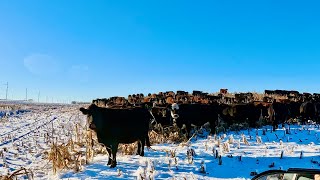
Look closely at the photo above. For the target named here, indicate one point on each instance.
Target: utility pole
(7, 90)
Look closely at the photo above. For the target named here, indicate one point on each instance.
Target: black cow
(317, 110)
(114, 126)
(196, 114)
(162, 115)
(260, 110)
(279, 113)
(308, 111)
(306, 97)
(269, 92)
(294, 109)
(244, 113)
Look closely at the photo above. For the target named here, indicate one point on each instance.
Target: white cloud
(41, 64)
(79, 73)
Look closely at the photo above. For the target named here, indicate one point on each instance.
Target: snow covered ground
(25, 137)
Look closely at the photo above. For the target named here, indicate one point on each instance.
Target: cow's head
(90, 112)
(174, 111)
(165, 114)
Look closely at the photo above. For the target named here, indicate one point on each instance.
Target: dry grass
(18, 173)
(89, 147)
(72, 155)
(128, 149)
(60, 157)
(76, 152)
(169, 135)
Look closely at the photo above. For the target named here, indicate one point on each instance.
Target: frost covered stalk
(231, 139)
(173, 153)
(281, 155)
(151, 170)
(214, 152)
(217, 153)
(119, 172)
(226, 147)
(89, 149)
(169, 164)
(202, 167)
(301, 154)
(246, 141)
(264, 132)
(77, 133)
(259, 141)
(220, 160)
(288, 130)
(190, 154)
(141, 173)
(176, 163)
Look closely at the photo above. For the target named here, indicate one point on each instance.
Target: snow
(24, 141)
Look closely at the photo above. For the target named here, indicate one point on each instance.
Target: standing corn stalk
(77, 133)
(89, 147)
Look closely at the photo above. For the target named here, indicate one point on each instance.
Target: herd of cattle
(120, 120)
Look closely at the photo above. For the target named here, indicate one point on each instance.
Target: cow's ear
(84, 111)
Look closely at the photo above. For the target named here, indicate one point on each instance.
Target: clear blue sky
(87, 49)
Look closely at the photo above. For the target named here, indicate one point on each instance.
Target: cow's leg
(212, 128)
(142, 146)
(114, 149)
(188, 129)
(110, 154)
(139, 148)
